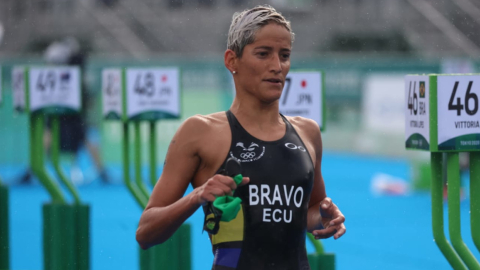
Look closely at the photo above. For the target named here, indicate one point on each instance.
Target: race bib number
(112, 93)
(152, 93)
(417, 116)
(54, 88)
(303, 96)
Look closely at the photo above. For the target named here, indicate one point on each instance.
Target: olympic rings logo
(247, 155)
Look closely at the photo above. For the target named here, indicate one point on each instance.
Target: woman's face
(264, 64)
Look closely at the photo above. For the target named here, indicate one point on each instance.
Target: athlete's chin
(272, 95)
(270, 99)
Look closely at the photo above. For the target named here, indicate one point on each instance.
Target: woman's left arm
(324, 218)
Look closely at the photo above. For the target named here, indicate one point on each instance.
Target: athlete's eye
(262, 54)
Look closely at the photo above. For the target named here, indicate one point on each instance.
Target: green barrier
(4, 232)
(66, 236)
(475, 197)
(319, 259)
(173, 254)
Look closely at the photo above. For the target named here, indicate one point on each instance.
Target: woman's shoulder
(198, 124)
(207, 120)
(308, 130)
(304, 124)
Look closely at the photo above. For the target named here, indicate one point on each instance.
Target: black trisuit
(269, 231)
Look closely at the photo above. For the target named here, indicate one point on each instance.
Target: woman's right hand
(217, 186)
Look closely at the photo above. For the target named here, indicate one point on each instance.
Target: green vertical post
(163, 255)
(37, 158)
(49, 240)
(174, 249)
(153, 153)
(316, 244)
(137, 194)
(437, 214)
(453, 183)
(66, 226)
(475, 197)
(58, 240)
(56, 159)
(184, 248)
(138, 160)
(319, 259)
(82, 236)
(145, 259)
(4, 229)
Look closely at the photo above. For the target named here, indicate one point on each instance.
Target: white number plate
(54, 87)
(417, 114)
(302, 96)
(152, 91)
(112, 93)
(458, 108)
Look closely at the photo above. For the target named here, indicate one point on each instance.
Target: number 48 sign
(134, 94)
(448, 118)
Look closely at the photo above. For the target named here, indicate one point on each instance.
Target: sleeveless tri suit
(269, 230)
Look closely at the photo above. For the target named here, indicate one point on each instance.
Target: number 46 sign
(442, 112)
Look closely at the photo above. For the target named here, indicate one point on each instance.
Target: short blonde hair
(245, 25)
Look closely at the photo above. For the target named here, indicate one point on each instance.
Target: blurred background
(365, 48)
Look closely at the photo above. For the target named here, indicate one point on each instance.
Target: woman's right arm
(166, 209)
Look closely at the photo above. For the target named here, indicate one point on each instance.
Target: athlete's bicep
(180, 165)
(318, 191)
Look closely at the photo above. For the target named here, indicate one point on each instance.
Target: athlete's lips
(274, 80)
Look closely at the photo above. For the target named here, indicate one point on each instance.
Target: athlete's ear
(230, 59)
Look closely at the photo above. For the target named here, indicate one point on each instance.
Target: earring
(234, 72)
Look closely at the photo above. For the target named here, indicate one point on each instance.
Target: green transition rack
(51, 91)
(442, 116)
(132, 95)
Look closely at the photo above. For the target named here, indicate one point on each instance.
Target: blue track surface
(383, 232)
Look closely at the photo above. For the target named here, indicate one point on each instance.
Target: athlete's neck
(259, 118)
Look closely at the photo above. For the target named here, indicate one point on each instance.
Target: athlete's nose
(275, 64)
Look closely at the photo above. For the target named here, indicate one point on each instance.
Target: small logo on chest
(295, 147)
(247, 154)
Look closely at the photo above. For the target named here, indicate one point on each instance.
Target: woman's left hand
(332, 221)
